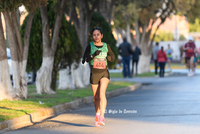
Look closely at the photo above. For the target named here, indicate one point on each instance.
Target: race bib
(190, 50)
(99, 63)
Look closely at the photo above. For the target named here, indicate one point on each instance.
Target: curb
(31, 119)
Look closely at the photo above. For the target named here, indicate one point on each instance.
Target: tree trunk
(143, 42)
(128, 33)
(80, 76)
(26, 41)
(144, 64)
(83, 37)
(6, 90)
(65, 79)
(86, 74)
(16, 64)
(105, 8)
(54, 79)
(24, 79)
(68, 79)
(82, 25)
(44, 75)
(19, 54)
(119, 38)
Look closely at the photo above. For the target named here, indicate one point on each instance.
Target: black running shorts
(96, 77)
(186, 59)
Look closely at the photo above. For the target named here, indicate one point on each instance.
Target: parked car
(29, 75)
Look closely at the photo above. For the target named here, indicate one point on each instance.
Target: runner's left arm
(196, 50)
(110, 55)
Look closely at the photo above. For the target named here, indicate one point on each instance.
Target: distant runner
(190, 49)
(169, 52)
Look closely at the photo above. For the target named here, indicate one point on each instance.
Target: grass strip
(119, 75)
(12, 109)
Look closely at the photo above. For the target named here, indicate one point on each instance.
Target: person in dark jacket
(155, 51)
(135, 58)
(125, 50)
(162, 58)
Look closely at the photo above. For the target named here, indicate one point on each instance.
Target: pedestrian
(190, 49)
(125, 50)
(135, 58)
(162, 58)
(169, 52)
(97, 53)
(155, 51)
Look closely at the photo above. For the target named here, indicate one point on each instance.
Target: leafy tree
(149, 12)
(189, 8)
(19, 50)
(182, 37)
(99, 21)
(125, 14)
(163, 36)
(105, 8)
(194, 27)
(68, 48)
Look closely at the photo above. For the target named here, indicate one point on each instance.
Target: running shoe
(96, 122)
(191, 74)
(101, 121)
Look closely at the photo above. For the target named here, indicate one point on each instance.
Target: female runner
(97, 53)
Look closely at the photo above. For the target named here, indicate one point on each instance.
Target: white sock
(98, 113)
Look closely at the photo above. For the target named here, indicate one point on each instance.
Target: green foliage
(35, 48)
(182, 37)
(31, 5)
(166, 36)
(120, 75)
(124, 13)
(194, 12)
(163, 36)
(183, 6)
(10, 5)
(68, 48)
(98, 21)
(194, 27)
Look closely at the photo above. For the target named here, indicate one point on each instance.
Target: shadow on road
(71, 124)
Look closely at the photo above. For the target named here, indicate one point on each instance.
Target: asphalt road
(169, 105)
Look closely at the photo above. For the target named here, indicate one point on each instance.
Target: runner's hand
(96, 53)
(83, 61)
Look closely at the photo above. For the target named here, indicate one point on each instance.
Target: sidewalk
(31, 119)
(173, 70)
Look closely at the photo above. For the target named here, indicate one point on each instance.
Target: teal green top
(103, 54)
(169, 53)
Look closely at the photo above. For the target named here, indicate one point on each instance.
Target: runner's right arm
(87, 57)
(185, 48)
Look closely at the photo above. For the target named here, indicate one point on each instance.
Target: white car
(29, 75)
